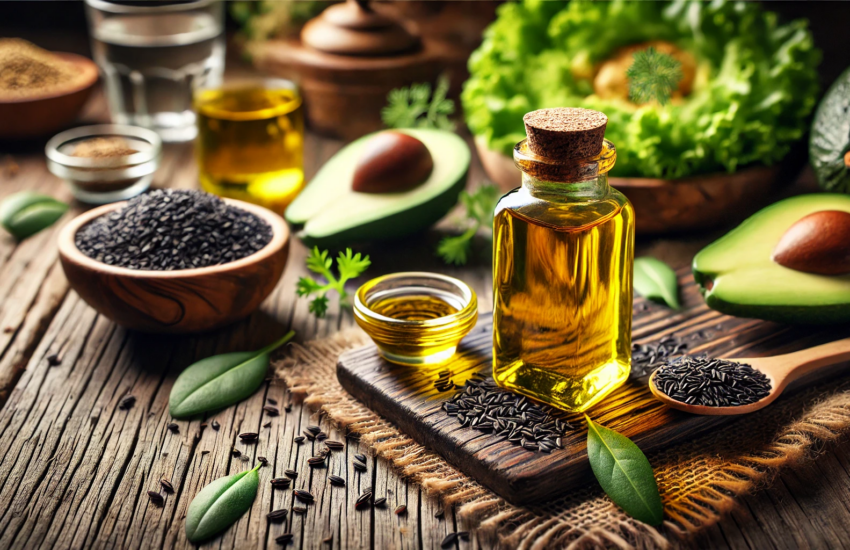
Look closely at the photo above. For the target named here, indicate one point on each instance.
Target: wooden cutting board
(407, 396)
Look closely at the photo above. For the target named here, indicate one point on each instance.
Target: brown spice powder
(103, 147)
(29, 71)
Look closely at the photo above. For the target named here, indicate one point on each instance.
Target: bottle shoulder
(564, 215)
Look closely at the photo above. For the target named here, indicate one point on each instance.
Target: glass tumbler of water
(152, 55)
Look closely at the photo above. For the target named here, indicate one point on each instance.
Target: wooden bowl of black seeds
(175, 261)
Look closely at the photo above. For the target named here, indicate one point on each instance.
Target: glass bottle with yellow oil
(562, 265)
(250, 143)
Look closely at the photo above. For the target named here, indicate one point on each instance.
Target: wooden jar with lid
(346, 61)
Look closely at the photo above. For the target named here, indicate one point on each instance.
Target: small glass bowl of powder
(106, 162)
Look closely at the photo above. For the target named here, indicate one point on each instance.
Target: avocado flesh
(332, 214)
(736, 275)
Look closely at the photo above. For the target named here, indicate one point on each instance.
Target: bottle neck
(593, 189)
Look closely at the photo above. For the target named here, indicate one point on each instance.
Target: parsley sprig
(479, 207)
(653, 75)
(349, 266)
(415, 107)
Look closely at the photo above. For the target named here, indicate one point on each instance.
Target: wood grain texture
(408, 397)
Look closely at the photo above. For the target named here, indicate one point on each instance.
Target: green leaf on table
(220, 504)
(221, 380)
(655, 280)
(26, 213)
(624, 473)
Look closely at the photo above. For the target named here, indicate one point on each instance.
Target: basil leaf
(624, 473)
(26, 213)
(657, 281)
(220, 381)
(220, 504)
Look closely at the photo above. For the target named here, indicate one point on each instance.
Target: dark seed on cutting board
(156, 498)
(267, 425)
(310, 435)
(463, 535)
(53, 360)
(321, 436)
(334, 445)
(316, 461)
(360, 457)
(166, 485)
(379, 503)
(299, 510)
(303, 496)
(401, 510)
(272, 401)
(278, 515)
(288, 407)
(281, 482)
(127, 402)
(698, 380)
(174, 428)
(291, 473)
(359, 466)
(263, 459)
(172, 229)
(440, 514)
(235, 452)
(249, 436)
(328, 539)
(336, 480)
(314, 429)
(449, 540)
(215, 425)
(284, 538)
(299, 439)
(271, 411)
(363, 500)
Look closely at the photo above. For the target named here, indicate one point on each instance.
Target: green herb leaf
(657, 281)
(479, 206)
(348, 264)
(624, 473)
(653, 75)
(415, 107)
(220, 381)
(220, 504)
(24, 214)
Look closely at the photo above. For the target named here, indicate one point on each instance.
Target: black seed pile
(648, 357)
(483, 406)
(711, 382)
(170, 229)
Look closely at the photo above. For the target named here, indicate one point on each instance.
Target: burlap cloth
(699, 480)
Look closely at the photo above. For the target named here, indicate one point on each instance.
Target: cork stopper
(565, 133)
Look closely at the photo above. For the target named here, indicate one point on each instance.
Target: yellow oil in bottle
(250, 143)
(563, 259)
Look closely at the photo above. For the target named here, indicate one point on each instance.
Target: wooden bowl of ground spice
(175, 261)
(40, 91)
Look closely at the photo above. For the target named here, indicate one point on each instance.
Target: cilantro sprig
(653, 75)
(415, 107)
(479, 207)
(348, 265)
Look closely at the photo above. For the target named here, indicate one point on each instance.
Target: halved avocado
(331, 214)
(736, 275)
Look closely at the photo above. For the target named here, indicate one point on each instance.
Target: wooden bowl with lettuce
(703, 99)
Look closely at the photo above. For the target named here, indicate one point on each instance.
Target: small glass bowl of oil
(416, 318)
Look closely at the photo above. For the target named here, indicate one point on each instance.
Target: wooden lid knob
(565, 133)
(354, 29)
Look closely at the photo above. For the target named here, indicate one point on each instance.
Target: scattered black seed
(249, 437)
(334, 445)
(309, 435)
(711, 382)
(299, 510)
(648, 357)
(449, 540)
(53, 360)
(361, 457)
(271, 411)
(156, 498)
(314, 429)
(484, 406)
(245, 458)
(281, 482)
(328, 539)
(379, 503)
(278, 515)
(291, 473)
(285, 538)
(236, 452)
(359, 466)
(316, 461)
(170, 229)
(401, 510)
(288, 407)
(303, 496)
(267, 425)
(127, 402)
(440, 514)
(299, 439)
(321, 436)
(272, 401)
(215, 425)
(363, 500)
(166, 485)
(202, 452)
(175, 429)
(336, 480)
(463, 535)
(263, 460)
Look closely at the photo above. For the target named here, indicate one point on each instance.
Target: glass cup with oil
(250, 143)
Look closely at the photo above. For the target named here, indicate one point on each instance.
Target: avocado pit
(392, 162)
(818, 243)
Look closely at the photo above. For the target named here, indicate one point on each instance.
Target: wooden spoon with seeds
(781, 370)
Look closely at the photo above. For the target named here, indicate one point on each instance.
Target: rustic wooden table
(75, 469)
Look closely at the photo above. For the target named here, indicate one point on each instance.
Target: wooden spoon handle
(799, 363)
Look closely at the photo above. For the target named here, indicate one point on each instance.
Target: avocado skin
(396, 226)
